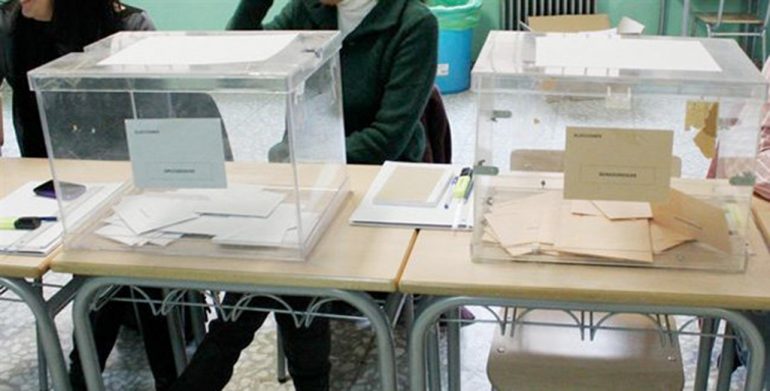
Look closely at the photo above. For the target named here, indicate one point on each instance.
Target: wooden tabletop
(14, 173)
(440, 265)
(346, 257)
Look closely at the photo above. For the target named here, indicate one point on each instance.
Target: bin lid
(575, 62)
(269, 61)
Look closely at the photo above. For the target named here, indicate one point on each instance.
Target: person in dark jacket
(32, 33)
(388, 60)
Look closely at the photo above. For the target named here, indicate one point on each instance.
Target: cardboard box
(582, 23)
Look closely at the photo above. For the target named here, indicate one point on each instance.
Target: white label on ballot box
(617, 164)
(177, 153)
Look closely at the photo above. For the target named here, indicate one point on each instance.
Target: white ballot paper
(619, 53)
(201, 50)
(177, 153)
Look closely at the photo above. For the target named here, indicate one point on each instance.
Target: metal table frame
(50, 354)
(89, 292)
(430, 311)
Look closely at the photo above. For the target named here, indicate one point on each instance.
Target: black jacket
(26, 119)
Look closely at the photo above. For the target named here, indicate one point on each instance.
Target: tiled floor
(353, 358)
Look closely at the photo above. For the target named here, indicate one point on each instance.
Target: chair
(437, 130)
(531, 357)
(528, 357)
(752, 24)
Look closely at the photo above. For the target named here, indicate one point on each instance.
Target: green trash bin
(456, 19)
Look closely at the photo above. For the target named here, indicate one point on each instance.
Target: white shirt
(350, 13)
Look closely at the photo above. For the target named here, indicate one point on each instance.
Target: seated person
(388, 60)
(35, 32)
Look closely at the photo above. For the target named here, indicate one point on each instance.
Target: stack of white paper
(41, 241)
(242, 215)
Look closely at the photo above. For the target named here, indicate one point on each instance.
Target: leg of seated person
(307, 349)
(157, 343)
(212, 365)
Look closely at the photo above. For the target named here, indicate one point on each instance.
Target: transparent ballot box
(197, 144)
(596, 148)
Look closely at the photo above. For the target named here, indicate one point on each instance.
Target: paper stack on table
(41, 241)
(546, 224)
(241, 215)
(415, 195)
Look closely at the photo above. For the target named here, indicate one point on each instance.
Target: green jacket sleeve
(250, 13)
(406, 93)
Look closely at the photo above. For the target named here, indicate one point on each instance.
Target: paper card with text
(177, 153)
(617, 164)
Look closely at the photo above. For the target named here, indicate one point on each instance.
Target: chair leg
(280, 358)
(197, 317)
(434, 360)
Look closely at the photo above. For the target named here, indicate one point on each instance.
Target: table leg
(705, 347)
(361, 301)
(48, 337)
(453, 350)
(431, 311)
(42, 366)
(726, 361)
(434, 359)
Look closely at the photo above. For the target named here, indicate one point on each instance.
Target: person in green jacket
(388, 61)
(388, 68)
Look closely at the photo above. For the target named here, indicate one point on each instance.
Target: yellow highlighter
(463, 182)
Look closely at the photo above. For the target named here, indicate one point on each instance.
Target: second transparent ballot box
(197, 144)
(615, 150)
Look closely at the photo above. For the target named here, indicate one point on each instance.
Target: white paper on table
(259, 204)
(121, 234)
(267, 232)
(642, 54)
(206, 225)
(143, 214)
(201, 50)
(24, 202)
(118, 231)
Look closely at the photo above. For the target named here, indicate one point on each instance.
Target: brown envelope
(584, 208)
(617, 164)
(412, 186)
(514, 229)
(692, 217)
(706, 143)
(703, 116)
(623, 210)
(532, 219)
(597, 236)
(537, 201)
(664, 238)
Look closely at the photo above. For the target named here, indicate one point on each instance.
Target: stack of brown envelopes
(547, 224)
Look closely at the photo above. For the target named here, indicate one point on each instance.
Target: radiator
(515, 12)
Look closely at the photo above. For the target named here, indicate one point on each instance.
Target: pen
(448, 197)
(24, 223)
